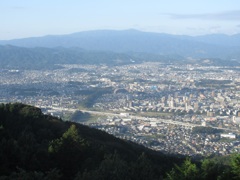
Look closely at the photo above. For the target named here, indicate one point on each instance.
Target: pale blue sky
(28, 18)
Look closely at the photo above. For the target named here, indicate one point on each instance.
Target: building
(230, 136)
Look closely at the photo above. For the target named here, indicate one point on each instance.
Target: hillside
(48, 58)
(38, 146)
(31, 141)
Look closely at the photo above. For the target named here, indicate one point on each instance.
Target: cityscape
(112, 90)
(186, 109)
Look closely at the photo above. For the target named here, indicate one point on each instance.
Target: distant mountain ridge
(114, 47)
(123, 41)
(73, 38)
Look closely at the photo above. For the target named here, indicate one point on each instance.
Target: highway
(147, 119)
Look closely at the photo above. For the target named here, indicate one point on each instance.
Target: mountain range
(130, 44)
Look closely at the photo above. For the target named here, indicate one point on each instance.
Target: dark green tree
(30, 175)
(211, 170)
(111, 168)
(187, 171)
(142, 168)
(235, 166)
(68, 151)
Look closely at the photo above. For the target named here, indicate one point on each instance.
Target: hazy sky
(28, 18)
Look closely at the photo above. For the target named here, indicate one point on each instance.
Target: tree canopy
(38, 146)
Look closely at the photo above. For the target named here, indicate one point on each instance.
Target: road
(167, 121)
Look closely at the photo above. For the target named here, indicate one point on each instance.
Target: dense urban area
(181, 109)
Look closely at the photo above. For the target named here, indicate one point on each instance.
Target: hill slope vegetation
(38, 146)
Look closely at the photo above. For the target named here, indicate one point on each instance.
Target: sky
(33, 18)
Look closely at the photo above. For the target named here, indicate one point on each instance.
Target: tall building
(171, 104)
(186, 106)
(196, 106)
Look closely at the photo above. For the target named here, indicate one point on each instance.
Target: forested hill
(45, 58)
(42, 58)
(38, 146)
(13, 57)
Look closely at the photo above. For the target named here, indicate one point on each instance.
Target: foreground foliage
(38, 146)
